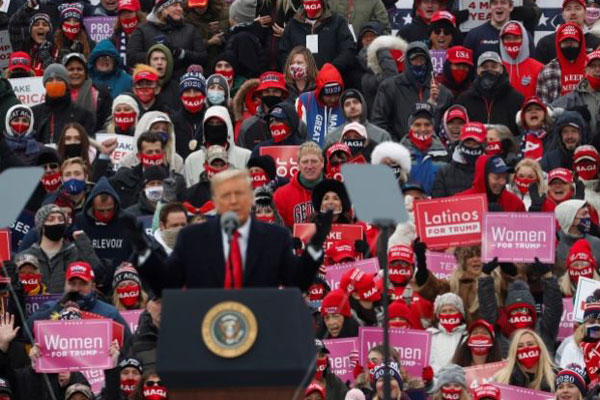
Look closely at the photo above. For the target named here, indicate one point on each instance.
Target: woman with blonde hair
(580, 262)
(528, 363)
(127, 289)
(527, 171)
(571, 383)
(300, 72)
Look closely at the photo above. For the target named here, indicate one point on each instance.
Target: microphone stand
(229, 264)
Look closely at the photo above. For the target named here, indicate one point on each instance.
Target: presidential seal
(229, 329)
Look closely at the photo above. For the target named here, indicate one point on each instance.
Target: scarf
(86, 96)
(25, 142)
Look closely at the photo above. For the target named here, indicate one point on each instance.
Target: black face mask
(570, 53)
(55, 232)
(270, 101)
(355, 145)
(470, 155)
(215, 134)
(488, 79)
(72, 150)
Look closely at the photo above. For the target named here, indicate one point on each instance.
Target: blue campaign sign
(20, 227)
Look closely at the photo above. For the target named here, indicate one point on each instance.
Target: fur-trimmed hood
(393, 150)
(239, 100)
(386, 41)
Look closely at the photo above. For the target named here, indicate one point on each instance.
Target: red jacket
(508, 201)
(523, 76)
(293, 202)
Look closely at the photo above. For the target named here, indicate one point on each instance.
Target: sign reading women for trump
(73, 345)
(339, 356)
(519, 237)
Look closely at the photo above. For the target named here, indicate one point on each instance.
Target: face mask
(334, 172)
(512, 48)
(298, 71)
(154, 194)
(30, 283)
(322, 364)
(71, 29)
(591, 15)
(480, 345)
(269, 219)
(574, 274)
(521, 320)
(399, 324)
(54, 232)
(215, 96)
(51, 182)
(215, 134)
(523, 184)
(128, 386)
(155, 393)
(470, 155)
(528, 357)
(150, 160)
(488, 79)
(420, 143)
(56, 89)
(75, 186)
(594, 82)
(146, 95)
(128, 295)
(313, 8)
(587, 171)
(493, 148)
(570, 53)
(459, 75)
(228, 75)
(259, 179)
(592, 331)
(279, 131)
(170, 235)
(124, 120)
(270, 101)
(450, 321)
(19, 127)
(419, 72)
(105, 218)
(355, 145)
(212, 171)
(73, 150)
(129, 24)
(400, 274)
(585, 224)
(450, 393)
(193, 103)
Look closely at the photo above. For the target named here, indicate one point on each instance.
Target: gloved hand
(178, 53)
(134, 232)
(427, 375)
(537, 201)
(298, 245)
(509, 269)
(169, 188)
(323, 223)
(422, 274)
(541, 267)
(361, 246)
(490, 266)
(579, 190)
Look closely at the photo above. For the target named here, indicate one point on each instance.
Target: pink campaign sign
(413, 346)
(508, 392)
(95, 377)
(567, 319)
(132, 317)
(518, 237)
(73, 345)
(441, 264)
(339, 356)
(334, 273)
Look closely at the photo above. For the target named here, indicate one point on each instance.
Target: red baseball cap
(457, 112)
(336, 302)
(81, 270)
(533, 100)
(586, 152)
(443, 16)
(459, 55)
(512, 28)
(128, 5)
(582, 2)
(20, 60)
(145, 75)
(341, 250)
(315, 387)
(473, 130)
(272, 79)
(594, 55)
(338, 147)
(569, 31)
(483, 323)
(560, 173)
(486, 392)
(401, 252)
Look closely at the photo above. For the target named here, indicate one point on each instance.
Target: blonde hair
(566, 287)
(535, 166)
(140, 304)
(75, 161)
(310, 148)
(229, 175)
(545, 366)
(311, 65)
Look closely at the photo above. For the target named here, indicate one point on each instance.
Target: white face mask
(154, 193)
(336, 211)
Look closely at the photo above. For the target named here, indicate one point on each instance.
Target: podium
(231, 344)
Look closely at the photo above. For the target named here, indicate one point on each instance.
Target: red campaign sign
(286, 159)
(450, 221)
(4, 245)
(73, 345)
(508, 392)
(567, 320)
(334, 273)
(339, 356)
(338, 232)
(482, 374)
(442, 265)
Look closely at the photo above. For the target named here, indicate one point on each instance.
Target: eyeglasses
(439, 31)
(153, 383)
(51, 166)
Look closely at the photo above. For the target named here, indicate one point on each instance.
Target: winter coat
(117, 81)
(396, 98)
(498, 105)
(559, 156)
(571, 353)
(217, 11)
(294, 139)
(188, 127)
(237, 156)
(583, 95)
(425, 165)
(319, 118)
(545, 51)
(358, 13)
(182, 36)
(142, 344)
(453, 177)
(416, 31)
(254, 130)
(566, 241)
(52, 116)
(336, 389)
(336, 44)
(444, 345)
(486, 37)
(7, 96)
(294, 202)
(142, 208)
(169, 86)
(243, 41)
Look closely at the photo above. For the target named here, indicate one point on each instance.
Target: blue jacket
(425, 165)
(117, 81)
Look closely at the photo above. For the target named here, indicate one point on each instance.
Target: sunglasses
(52, 165)
(153, 383)
(439, 31)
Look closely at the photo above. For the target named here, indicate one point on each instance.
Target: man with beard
(568, 135)
(172, 218)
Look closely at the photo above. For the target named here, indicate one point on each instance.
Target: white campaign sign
(124, 146)
(5, 49)
(585, 288)
(30, 91)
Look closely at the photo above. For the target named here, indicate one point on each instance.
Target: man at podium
(230, 252)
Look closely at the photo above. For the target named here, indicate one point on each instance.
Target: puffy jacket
(142, 344)
(295, 137)
(117, 81)
(453, 178)
(506, 200)
(559, 156)
(444, 345)
(294, 202)
(425, 165)
(416, 31)
(52, 116)
(359, 13)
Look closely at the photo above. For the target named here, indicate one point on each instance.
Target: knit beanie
(519, 295)
(355, 394)
(336, 302)
(131, 362)
(126, 272)
(575, 374)
(43, 213)
(242, 11)
(70, 10)
(192, 80)
(55, 71)
(448, 298)
(17, 111)
(128, 99)
(218, 79)
(394, 372)
(266, 163)
(591, 309)
(581, 251)
(449, 374)
(155, 173)
(36, 17)
(565, 213)
(160, 5)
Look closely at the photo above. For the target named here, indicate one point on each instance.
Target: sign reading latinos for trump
(350, 232)
(334, 273)
(339, 356)
(442, 265)
(125, 145)
(29, 91)
(518, 237)
(413, 346)
(585, 288)
(73, 345)
(285, 157)
(99, 28)
(508, 392)
(450, 221)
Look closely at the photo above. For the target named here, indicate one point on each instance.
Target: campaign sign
(73, 345)
(566, 327)
(118, 330)
(479, 12)
(95, 377)
(450, 221)
(518, 237)
(132, 317)
(34, 302)
(413, 346)
(99, 28)
(29, 91)
(339, 356)
(440, 264)
(286, 159)
(20, 228)
(437, 59)
(509, 392)
(125, 145)
(585, 288)
(4, 245)
(5, 49)
(351, 232)
(334, 273)
(481, 374)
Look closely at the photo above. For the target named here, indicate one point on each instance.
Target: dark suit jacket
(198, 261)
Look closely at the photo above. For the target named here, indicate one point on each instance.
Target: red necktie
(235, 257)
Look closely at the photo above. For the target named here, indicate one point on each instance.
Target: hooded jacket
(359, 13)
(293, 139)
(559, 156)
(23, 146)
(565, 214)
(454, 177)
(523, 70)
(169, 85)
(507, 201)
(237, 156)
(318, 117)
(244, 107)
(486, 37)
(448, 81)
(294, 202)
(425, 165)
(396, 97)
(583, 95)
(545, 51)
(117, 81)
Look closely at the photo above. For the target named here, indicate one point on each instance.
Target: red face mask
(259, 179)
(128, 385)
(212, 171)
(146, 94)
(523, 184)
(586, 170)
(512, 48)
(421, 144)
(591, 357)
(400, 274)
(193, 103)
(124, 120)
(129, 24)
(51, 182)
(451, 393)
(313, 8)
(594, 82)
(521, 320)
(155, 393)
(103, 217)
(228, 75)
(19, 127)
(31, 283)
(279, 131)
(399, 324)
(451, 321)
(528, 357)
(459, 75)
(71, 30)
(149, 160)
(321, 367)
(493, 148)
(480, 345)
(269, 219)
(576, 273)
(128, 295)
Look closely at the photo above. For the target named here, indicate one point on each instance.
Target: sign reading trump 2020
(73, 345)
(518, 237)
(450, 221)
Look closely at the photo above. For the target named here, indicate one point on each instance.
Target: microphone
(230, 222)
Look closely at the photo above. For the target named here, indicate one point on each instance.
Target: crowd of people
(191, 109)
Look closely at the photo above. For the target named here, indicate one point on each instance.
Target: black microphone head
(230, 222)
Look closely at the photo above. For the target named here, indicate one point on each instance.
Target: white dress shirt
(244, 232)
